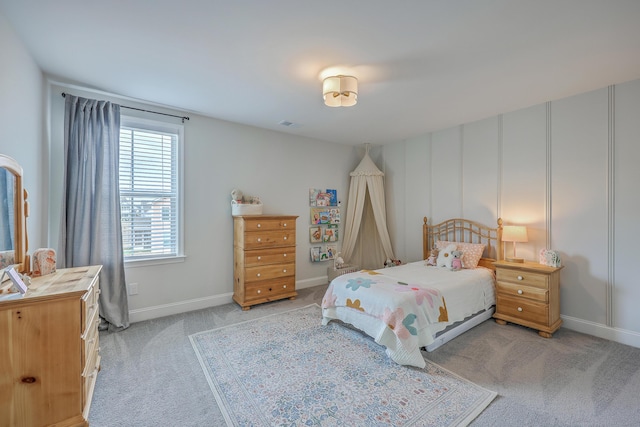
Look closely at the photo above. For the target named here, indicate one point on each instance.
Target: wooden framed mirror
(13, 216)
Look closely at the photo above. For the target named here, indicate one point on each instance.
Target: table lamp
(514, 234)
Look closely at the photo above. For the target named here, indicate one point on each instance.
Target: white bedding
(404, 307)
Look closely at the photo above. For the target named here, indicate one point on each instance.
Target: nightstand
(528, 294)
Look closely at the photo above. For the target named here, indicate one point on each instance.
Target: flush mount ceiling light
(340, 91)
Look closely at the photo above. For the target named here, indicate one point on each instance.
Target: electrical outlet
(133, 288)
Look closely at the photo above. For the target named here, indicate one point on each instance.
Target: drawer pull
(258, 274)
(520, 292)
(285, 237)
(519, 308)
(259, 291)
(259, 225)
(259, 258)
(259, 239)
(284, 225)
(284, 255)
(284, 270)
(284, 286)
(520, 278)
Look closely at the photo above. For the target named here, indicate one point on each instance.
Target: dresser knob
(259, 258)
(259, 239)
(259, 291)
(520, 277)
(284, 255)
(285, 237)
(259, 225)
(284, 286)
(284, 225)
(519, 291)
(284, 270)
(258, 274)
(519, 308)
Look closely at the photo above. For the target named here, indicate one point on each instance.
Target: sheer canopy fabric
(90, 230)
(366, 237)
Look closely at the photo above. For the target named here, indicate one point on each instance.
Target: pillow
(445, 257)
(472, 252)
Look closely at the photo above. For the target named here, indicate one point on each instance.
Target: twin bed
(415, 305)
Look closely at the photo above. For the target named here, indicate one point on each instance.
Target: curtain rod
(64, 95)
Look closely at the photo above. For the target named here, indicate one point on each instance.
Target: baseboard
(148, 313)
(621, 336)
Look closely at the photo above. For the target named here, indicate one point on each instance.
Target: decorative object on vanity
(242, 204)
(528, 294)
(44, 262)
(264, 259)
(514, 234)
(550, 258)
(340, 91)
(302, 373)
(51, 356)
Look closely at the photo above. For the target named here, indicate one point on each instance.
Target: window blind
(148, 193)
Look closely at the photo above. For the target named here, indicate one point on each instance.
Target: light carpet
(288, 369)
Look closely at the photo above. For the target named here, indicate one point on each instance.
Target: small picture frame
(332, 251)
(330, 233)
(18, 284)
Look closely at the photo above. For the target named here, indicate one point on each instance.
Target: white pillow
(444, 257)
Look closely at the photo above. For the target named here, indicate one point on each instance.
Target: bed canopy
(366, 237)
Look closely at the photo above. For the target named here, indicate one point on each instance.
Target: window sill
(154, 261)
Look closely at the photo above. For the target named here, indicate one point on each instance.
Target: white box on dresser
(49, 350)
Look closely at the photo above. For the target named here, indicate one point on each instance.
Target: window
(150, 196)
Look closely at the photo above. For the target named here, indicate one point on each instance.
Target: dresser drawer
(90, 305)
(529, 311)
(270, 289)
(528, 278)
(272, 271)
(260, 224)
(269, 238)
(522, 291)
(269, 256)
(91, 336)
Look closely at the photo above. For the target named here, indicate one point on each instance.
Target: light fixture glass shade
(340, 91)
(514, 233)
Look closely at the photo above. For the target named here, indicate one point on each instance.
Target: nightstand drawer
(520, 291)
(528, 278)
(524, 310)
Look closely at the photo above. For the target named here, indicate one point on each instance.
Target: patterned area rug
(287, 369)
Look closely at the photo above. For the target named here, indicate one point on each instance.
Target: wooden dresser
(264, 258)
(49, 350)
(528, 294)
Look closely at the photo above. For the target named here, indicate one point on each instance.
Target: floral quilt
(395, 309)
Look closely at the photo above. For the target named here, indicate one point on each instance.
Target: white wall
(568, 170)
(220, 156)
(21, 122)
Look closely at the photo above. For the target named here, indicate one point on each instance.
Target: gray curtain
(91, 232)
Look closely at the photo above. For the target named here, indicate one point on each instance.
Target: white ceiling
(422, 65)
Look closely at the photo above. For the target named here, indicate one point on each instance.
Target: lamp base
(514, 259)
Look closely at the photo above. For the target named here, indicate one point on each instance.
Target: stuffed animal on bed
(433, 257)
(456, 261)
(444, 257)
